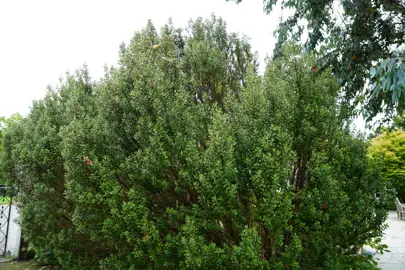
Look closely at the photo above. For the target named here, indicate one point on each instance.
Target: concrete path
(394, 237)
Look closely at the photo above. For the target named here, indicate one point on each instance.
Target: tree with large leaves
(359, 40)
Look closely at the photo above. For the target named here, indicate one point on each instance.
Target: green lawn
(5, 200)
(20, 265)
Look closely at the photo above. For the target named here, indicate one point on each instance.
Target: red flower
(315, 68)
(89, 162)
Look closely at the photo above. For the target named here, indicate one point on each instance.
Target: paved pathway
(394, 237)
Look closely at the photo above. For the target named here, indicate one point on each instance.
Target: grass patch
(5, 200)
(31, 265)
(19, 265)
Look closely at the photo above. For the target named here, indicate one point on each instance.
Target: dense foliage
(389, 149)
(350, 37)
(184, 157)
(4, 124)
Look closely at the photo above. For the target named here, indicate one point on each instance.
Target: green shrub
(184, 157)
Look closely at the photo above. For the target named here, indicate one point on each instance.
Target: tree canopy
(359, 40)
(4, 124)
(183, 156)
(389, 148)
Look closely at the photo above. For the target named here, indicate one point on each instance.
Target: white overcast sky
(40, 40)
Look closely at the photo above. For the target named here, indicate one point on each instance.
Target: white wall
(14, 231)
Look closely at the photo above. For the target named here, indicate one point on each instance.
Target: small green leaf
(384, 83)
(373, 71)
(383, 64)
